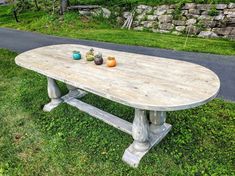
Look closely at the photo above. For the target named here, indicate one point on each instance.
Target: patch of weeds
(213, 11)
(150, 12)
(200, 25)
(155, 25)
(178, 10)
(145, 18)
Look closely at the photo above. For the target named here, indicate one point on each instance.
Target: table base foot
(132, 157)
(56, 102)
(53, 104)
(77, 93)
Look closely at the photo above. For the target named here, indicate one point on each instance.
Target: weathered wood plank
(139, 81)
(104, 116)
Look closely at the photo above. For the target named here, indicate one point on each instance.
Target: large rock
(184, 12)
(221, 6)
(192, 30)
(160, 31)
(224, 31)
(139, 28)
(85, 12)
(176, 33)
(205, 17)
(231, 5)
(3, 2)
(188, 6)
(140, 17)
(143, 7)
(203, 6)
(219, 17)
(139, 11)
(189, 16)
(179, 22)
(194, 11)
(120, 21)
(208, 23)
(106, 13)
(191, 21)
(126, 14)
(161, 10)
(166, 26)
(95, 12)
(231, 22)
(172, 6)
(151, 17)
(148, 24)
(230, 13)
(135, 23)
(232, 31)
(207, 34)
(148, 10)
(165, 18)
(180, 28)
(170, 11)
(205, 12)
(232, 37)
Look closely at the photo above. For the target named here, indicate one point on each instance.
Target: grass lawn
(69, 142)
(74, 26)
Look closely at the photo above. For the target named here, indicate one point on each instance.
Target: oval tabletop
(139, 81)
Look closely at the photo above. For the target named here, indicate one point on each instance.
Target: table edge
(133, 105)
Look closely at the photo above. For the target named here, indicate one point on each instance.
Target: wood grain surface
(139, 81)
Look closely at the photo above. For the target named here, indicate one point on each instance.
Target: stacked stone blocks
(204, 20)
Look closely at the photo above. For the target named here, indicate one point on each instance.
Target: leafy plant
(213, 11)
(200, 25)
(150, 12)
(178, 10)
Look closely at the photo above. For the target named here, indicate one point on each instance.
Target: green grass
(69, 142)
(74, 26)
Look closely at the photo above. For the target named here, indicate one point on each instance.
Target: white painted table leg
(53, 93)
(73, 93)
(145, 136)
(157, 119)
(140, 133)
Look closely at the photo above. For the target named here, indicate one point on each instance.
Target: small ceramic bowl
(77, 55)
(111, 61)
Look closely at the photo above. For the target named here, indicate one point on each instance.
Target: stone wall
(203, 20)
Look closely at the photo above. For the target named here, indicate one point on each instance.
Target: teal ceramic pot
(77, 55)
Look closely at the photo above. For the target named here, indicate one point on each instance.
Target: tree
(36, 4)
(63, 6)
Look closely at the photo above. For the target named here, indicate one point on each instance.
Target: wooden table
(151, 85)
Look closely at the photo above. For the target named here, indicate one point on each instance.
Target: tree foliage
(52, 6)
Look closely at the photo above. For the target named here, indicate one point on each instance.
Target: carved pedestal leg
(157, 120)
(145, 137)
(140, 133)
(73, 93)
(53, 93)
